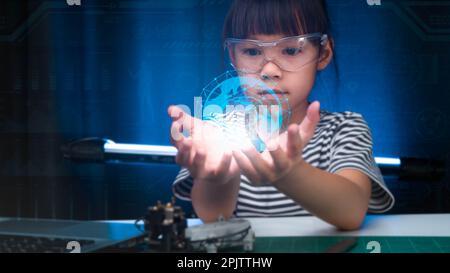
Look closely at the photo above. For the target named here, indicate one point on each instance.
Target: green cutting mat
(322, 244)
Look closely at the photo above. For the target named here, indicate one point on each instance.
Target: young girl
(323, 164)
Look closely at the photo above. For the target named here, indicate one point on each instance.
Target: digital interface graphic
(246, 109)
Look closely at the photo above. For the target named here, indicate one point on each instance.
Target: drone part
(221, 234)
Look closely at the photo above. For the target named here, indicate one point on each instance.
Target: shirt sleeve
(352, 149)
(182, 185)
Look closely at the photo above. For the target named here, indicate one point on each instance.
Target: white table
(433, 225)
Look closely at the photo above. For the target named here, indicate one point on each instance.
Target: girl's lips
(276, 91)
(273, 92)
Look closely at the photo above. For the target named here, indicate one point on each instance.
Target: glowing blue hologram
(247, 109)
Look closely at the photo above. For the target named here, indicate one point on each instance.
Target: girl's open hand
(283, 153)
(202, 152)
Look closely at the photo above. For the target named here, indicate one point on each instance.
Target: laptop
(22, 235)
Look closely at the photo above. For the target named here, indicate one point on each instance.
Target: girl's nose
(270, 71)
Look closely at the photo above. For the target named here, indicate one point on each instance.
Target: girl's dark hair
(286, 17)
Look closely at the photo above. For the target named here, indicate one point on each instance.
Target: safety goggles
(290, 53)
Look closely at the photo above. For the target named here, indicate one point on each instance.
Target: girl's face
(295, 86)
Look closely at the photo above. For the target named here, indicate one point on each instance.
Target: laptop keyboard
(33, 244)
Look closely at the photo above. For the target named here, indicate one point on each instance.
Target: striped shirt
(342, 140)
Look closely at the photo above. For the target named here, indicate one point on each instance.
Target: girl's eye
(252, 51)
(292, 51)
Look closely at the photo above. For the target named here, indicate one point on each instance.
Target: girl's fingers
(224, 166)
(176, 135)
(280, 159)
(294, 142)
(309, 123)
(184, 153)
(258, 162)
(177, 127)
(246, 166)
(186, 121)
(174, 112)
(180, 152)
(198, 162)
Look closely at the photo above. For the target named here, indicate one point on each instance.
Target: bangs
(275, 17)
